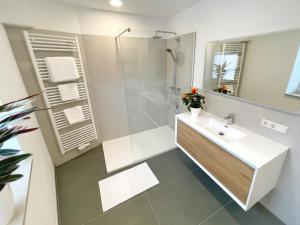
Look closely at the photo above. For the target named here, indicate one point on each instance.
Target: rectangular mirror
(264, 69)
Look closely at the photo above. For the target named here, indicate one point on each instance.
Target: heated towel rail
(69, 137)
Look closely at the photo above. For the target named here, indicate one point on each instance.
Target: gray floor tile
(181, 198)
(81, 169)
(80, 203)
(171, 165)
(232, 214)
(188, 200)
(136, 212)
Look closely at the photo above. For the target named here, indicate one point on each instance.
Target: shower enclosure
(156, 67)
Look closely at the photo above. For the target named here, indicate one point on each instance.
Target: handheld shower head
(171, 52)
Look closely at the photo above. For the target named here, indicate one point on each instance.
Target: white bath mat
(123, 186)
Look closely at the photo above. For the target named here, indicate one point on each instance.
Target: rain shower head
(171, 52)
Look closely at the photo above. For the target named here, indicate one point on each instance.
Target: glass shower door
(144, 66)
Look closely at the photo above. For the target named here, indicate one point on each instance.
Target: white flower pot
(7, 206)
(195, 112)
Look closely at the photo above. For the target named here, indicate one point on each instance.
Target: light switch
(274, 126)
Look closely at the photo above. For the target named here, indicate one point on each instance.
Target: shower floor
(127, 150)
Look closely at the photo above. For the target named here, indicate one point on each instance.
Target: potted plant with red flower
(194, 101)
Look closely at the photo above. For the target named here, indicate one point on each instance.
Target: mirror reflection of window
(231, 62)
(293, 87)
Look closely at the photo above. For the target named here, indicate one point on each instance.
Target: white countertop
(254, 149)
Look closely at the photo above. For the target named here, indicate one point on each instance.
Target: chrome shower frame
(123, 32)
(165, 32)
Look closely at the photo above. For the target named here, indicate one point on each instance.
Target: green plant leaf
(14, 132)
(8, 170)
(18, 115)
(13, 160)
(8, 152)
(10, 178)
(18, 103)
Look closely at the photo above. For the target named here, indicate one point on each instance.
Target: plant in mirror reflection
(223, 89)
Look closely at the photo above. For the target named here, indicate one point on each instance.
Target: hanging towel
(74, 114)
(68, 91)
(62, 68)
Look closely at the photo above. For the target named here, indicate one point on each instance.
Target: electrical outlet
(274, 126)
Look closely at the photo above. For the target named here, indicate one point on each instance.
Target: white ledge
(20, 188)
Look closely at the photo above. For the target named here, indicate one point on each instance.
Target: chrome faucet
(229, 118)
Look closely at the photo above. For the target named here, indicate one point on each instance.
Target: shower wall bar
(156, 36)
(124, 31)
(166, 32)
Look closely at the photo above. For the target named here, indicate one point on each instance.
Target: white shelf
(20, 188)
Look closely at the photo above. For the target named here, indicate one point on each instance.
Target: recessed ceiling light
(116, 3)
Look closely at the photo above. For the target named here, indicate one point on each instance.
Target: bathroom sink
(219, 128)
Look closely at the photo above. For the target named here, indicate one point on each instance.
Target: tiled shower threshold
(127, 150)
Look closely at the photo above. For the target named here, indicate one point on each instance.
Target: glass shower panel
(152, 66)
(144, 69)
(144, 66)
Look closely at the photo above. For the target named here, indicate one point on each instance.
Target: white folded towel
(62, 68)
(68, 91)
(74, 114)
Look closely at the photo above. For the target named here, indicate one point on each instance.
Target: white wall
(42, 185)
(51, 15)
(15, 12)
(110, 24)
(217, 19)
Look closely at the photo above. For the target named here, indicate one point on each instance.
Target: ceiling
(156, 8)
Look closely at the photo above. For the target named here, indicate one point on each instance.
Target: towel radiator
(69, 137)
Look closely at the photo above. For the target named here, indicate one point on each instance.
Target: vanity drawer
(234, 174)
